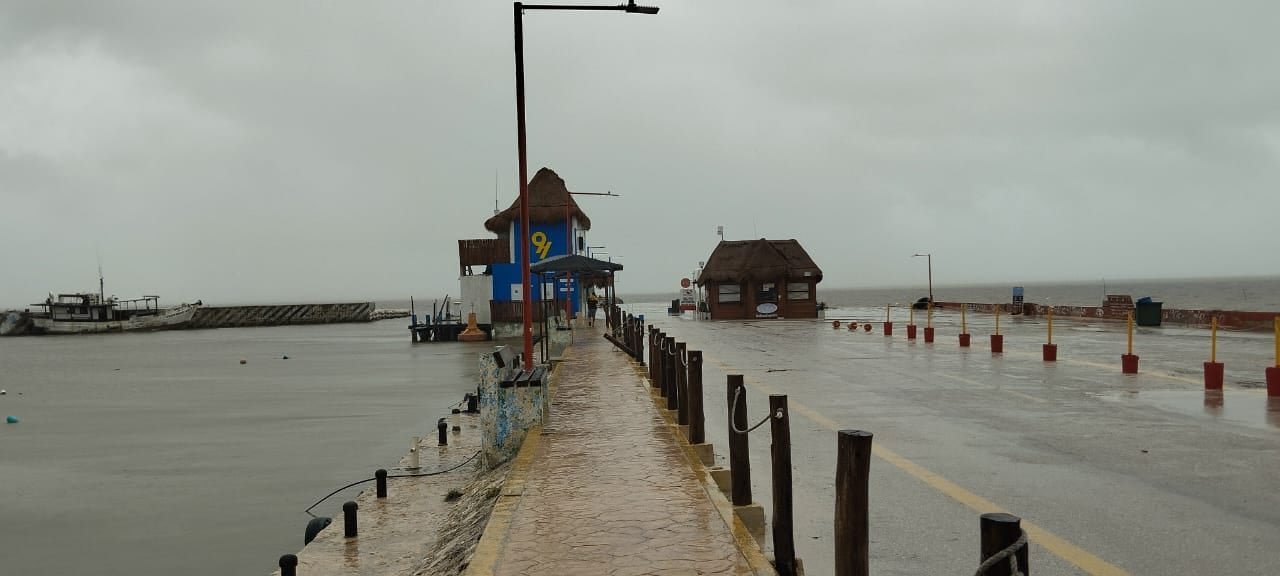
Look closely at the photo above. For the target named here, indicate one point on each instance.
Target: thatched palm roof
(547, 197)
(758, 260)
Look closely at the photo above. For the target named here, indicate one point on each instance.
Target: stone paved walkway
(609, 491)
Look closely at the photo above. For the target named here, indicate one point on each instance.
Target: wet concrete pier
(606, 488)
(1112, 473)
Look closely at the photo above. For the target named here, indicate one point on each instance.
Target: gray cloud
(320, 150)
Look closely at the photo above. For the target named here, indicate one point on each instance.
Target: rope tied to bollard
(436, 473)
(733, 413)
(1009, 554)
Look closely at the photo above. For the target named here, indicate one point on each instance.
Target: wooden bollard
(682, 384)
(1000, 531)
(349, 527)
(640, 355)
(653, 356)
(662, 364)
(853, 467)
(784, 544)
(673, 368)
(289, 565)
(739, 459)
(697, 420)
(381, 476)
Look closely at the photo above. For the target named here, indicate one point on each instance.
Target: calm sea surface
(150, 454)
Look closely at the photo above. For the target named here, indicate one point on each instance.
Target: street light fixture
(520, 7)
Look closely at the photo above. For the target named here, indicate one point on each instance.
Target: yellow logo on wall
(542, 244)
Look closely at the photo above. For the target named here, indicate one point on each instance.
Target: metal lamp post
(520, 7)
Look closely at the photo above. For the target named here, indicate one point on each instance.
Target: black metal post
(289, 565)
(349, 509)
(443, 427)
(381, 476)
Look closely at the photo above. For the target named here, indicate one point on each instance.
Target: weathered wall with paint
(506, 414)
(1230, 319)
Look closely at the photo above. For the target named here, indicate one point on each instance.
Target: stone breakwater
(280, 315)
(16, 323)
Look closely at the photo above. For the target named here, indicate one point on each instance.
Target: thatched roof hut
(547, 198)
(742, 261)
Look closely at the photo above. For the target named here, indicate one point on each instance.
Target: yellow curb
(747, 544)
(489, 548)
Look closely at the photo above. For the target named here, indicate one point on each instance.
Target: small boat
(87, 313)
(921, 304)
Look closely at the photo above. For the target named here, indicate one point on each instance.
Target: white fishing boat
(85, 313)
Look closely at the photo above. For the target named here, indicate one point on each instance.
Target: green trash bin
(1148, 313)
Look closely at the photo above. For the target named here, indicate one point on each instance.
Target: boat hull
(167, 319)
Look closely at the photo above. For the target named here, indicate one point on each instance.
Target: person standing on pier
(593, 302)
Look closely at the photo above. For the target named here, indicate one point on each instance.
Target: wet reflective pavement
(1139, 474)
(609, 491)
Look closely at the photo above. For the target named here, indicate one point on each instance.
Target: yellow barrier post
(1129, 362)
(911, 323)
(1273, 373)
(997, 341)
(964, 330)
(1050, 350)
(888, 324)
(928, 327)
(1213, 368)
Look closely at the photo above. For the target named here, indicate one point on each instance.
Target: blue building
(489, 269)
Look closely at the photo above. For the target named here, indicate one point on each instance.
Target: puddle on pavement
(1238, 407)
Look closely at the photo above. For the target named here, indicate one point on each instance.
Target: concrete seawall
(1229, 319)
(280, 315)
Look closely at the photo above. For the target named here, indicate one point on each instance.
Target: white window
(730, 293)
(798, 291)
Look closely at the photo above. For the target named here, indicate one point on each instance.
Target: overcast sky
(242, 151)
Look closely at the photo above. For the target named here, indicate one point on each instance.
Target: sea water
(160, 453)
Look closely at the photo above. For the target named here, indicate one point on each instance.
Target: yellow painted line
(1116, 367)
(984, 385)
(1077, 556)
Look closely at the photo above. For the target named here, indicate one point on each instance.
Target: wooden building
(760, 279)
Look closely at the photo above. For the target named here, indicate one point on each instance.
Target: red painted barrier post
(888, 324)
(1129, 362)
(1213, 368)
(1273, 373)
(911, 323)
(1050, 352)
(997, 339)
(928, 327)
(964, 332)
